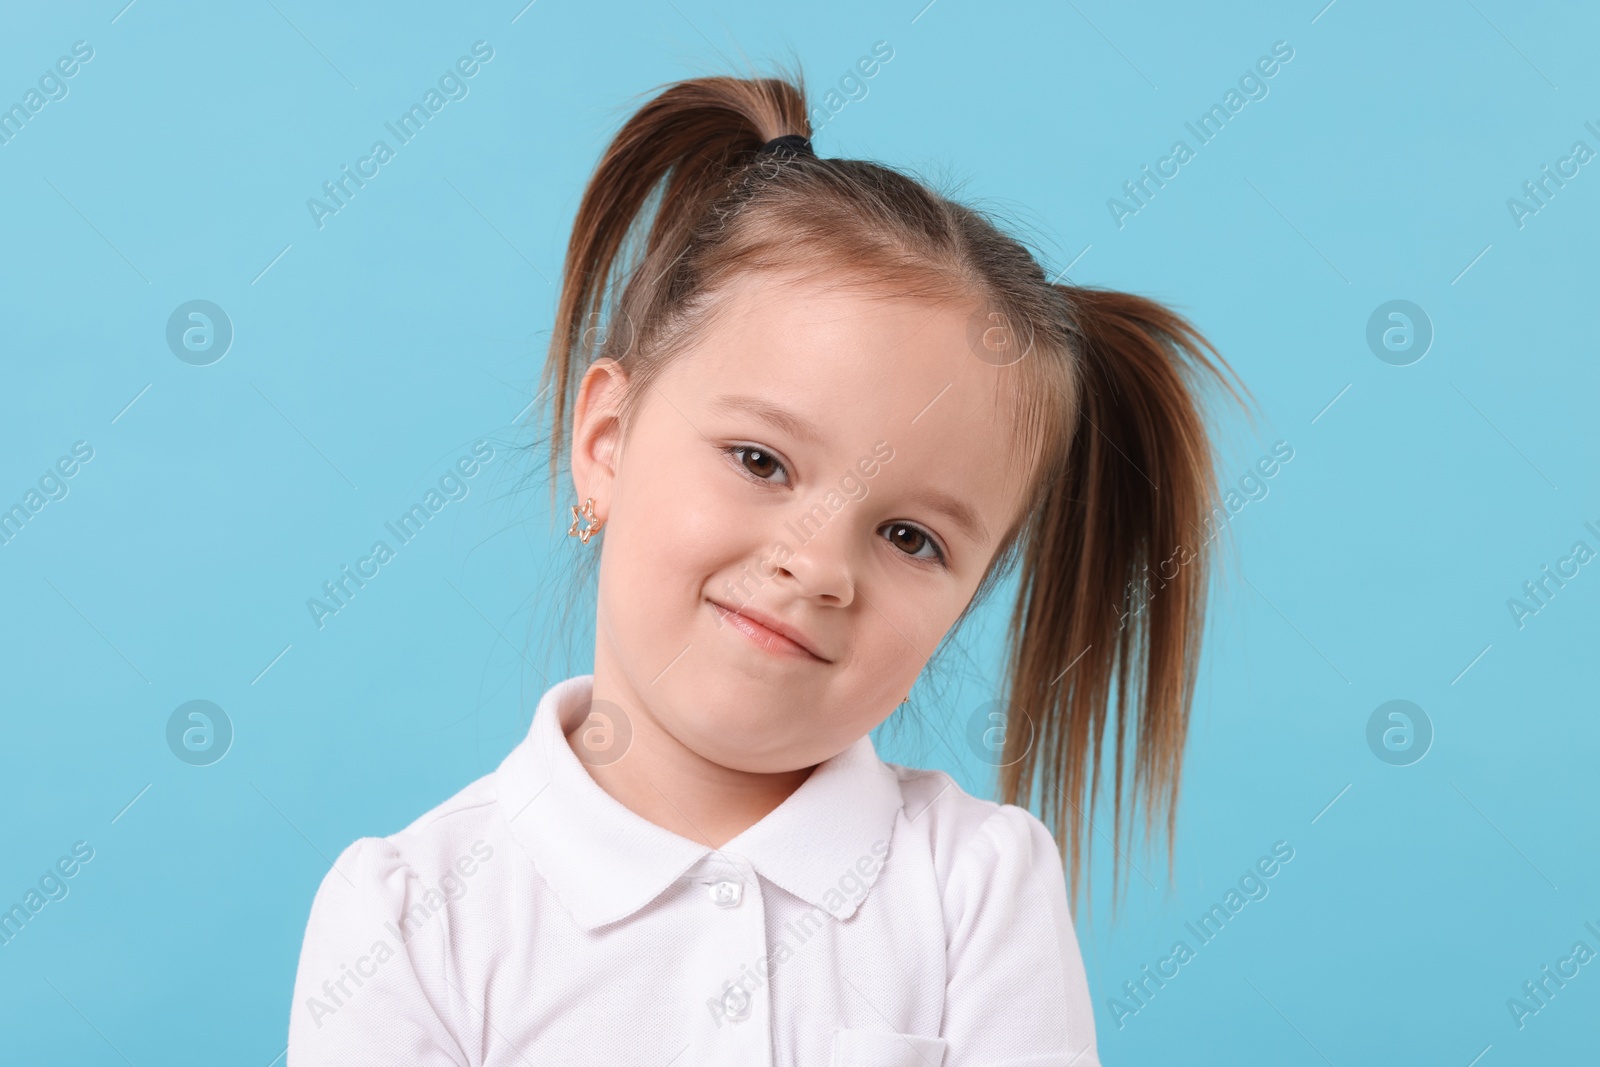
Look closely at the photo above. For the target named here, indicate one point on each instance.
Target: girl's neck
(666, 783)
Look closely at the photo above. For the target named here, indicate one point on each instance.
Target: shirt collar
(604, 862)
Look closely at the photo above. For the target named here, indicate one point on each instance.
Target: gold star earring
(585, 514)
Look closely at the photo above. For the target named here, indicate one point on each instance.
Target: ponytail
(1123, 505)
(679, 150)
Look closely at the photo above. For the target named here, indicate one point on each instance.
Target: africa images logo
(453, 485)
(1252, 885)
(1252, 85)
(452, 85)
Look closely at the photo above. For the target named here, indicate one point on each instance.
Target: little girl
(814, 413)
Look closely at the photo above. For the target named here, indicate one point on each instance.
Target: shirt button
(736, 1003)
(727, 894)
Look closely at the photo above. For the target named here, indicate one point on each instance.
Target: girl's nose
(820, 564)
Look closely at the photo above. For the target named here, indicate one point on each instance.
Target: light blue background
(375, 350)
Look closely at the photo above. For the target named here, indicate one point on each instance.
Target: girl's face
(803, 504)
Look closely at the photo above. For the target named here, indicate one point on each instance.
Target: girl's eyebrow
(770, 413)
(958, 512)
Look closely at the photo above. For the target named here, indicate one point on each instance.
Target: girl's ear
(597, 432)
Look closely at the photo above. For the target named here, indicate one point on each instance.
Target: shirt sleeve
(1016, 992)
(372, 986)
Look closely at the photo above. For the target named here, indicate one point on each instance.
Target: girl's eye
(759, 463)
(913, 541)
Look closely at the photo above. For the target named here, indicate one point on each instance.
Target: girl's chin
(742, 728)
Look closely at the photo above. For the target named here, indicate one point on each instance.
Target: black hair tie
(789, 144)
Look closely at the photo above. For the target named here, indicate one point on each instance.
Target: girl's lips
(764, 636)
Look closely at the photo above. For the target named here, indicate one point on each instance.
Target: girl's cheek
(923, 607)
(687, 518)
(696, 506)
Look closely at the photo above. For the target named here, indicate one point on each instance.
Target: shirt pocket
(886, 1048)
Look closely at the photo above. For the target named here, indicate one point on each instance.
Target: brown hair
(1121, 473)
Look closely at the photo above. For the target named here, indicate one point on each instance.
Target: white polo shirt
(878, 916)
